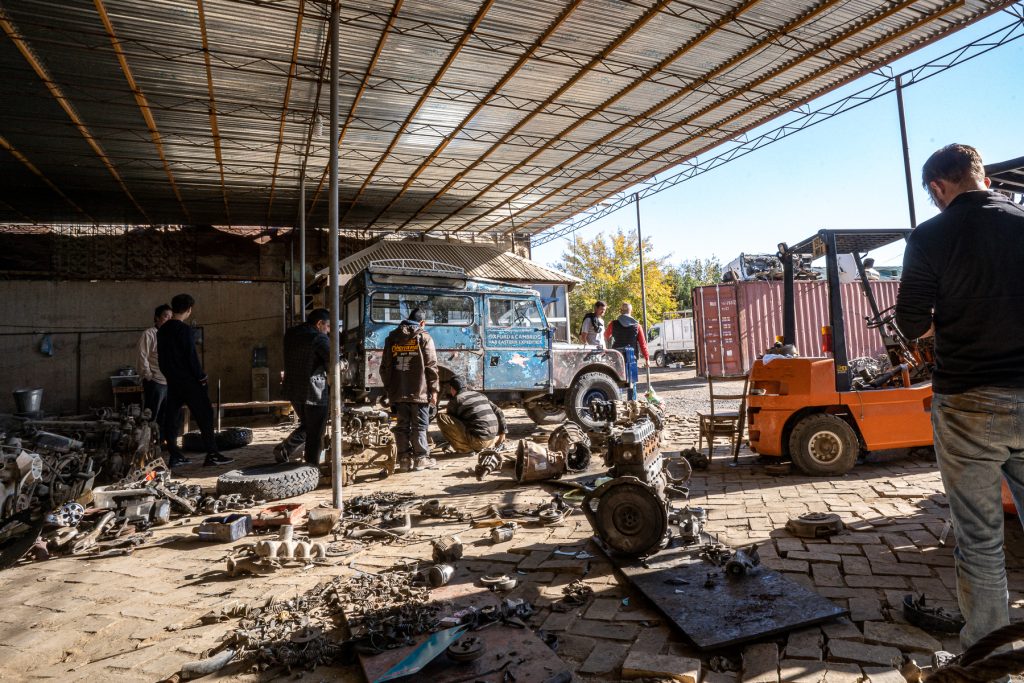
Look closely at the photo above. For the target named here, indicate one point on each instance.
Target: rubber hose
(205, 667)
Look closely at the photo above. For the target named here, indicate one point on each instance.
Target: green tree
(610, 270)
(694, 273)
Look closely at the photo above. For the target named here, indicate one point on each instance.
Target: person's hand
(929, 333)
(434, 398)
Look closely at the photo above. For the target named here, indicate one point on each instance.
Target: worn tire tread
(270, 482)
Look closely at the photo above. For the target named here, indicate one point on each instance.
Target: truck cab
(494, 335)
(671, 340)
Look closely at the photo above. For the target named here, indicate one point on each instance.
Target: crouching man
(471, 422)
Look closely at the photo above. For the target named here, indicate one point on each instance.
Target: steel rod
(643, 282)
(906, 152)
(333, 302)
(302, 247)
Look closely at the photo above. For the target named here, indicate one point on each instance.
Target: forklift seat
(724, 420)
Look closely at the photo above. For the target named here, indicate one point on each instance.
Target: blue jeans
(979, 440)
(411, 430)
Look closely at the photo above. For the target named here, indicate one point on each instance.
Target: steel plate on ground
(732, 610)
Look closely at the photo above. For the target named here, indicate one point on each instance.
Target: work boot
(216, 459)
(425, 463)
(177, 461)
(404, 465)
(280, 453)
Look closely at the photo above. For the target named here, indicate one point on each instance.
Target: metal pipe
(333, 302)
(643, 279)
(302, 247)
(906, 152)
(290, 304)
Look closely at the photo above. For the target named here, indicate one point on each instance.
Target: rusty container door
(738, 322)
(718, 330)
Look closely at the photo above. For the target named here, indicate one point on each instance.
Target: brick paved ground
(105, 619)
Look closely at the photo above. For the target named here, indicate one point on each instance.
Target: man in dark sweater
(186, 382)
(306, 353)
(961, 280)
(471, 422)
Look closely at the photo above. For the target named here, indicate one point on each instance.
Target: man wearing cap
(471, 422)
(409, 373)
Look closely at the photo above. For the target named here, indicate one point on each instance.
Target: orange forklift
(820, 412)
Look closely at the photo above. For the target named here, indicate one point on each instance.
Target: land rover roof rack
(416, 268)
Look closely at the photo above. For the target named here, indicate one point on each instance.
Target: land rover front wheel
(823, 445)
(589, 387)
(661, 360)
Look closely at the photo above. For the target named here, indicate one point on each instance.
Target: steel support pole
(333, 303)
(302, 245)
(906, 152)
(290, 304)
(643, 278)
(643, 281)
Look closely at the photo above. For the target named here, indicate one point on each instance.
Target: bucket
(28, 400)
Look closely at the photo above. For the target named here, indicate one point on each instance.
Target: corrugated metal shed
(458, 116)
(735, 323)
(478, 260)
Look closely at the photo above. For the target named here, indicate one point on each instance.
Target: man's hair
(160, 310)
(599, 304)
(869, 262)
(457, 384)
(626, 308)
(181, 303)
(316, 315)
(415, 315)
(955, 164)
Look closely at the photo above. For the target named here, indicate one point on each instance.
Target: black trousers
(312, 425)
(154, 396)
(195, 396)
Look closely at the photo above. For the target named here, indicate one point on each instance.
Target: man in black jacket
(186, 383)
(307, 350)
(471, 422)
(961, 280)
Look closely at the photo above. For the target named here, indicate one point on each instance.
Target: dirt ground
(79, 619)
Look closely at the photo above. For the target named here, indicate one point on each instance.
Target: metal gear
(629, 516)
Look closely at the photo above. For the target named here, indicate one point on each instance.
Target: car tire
(227, 439)
(545, 412)
(661, 360)
(823, 445)
(584, 389)
(269, 482)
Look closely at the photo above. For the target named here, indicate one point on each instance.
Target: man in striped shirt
(471, 422)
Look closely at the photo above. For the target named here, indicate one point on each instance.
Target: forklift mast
(831, 243)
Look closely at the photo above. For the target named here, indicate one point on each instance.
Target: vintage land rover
(493, 334)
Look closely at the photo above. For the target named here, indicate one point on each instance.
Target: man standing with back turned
(186, 383)
(409, 373)
(961, 279)
(307, 351)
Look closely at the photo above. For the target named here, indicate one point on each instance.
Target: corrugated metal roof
(458, 116)
(478, 260)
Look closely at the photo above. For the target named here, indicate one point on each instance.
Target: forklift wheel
(823, 445)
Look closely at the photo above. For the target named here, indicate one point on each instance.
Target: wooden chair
(723, 421)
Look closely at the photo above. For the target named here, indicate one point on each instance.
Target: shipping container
(736, 322)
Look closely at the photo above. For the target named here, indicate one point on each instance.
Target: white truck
(671, 340)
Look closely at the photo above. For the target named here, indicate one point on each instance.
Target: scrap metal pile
(51, 498)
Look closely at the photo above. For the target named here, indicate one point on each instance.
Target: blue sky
(844, 173)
